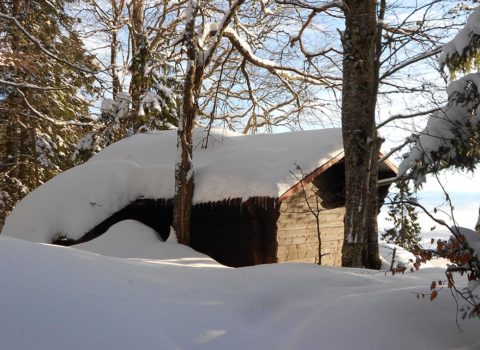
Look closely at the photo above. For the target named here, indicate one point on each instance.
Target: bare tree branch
(28, 86)
(407, 116)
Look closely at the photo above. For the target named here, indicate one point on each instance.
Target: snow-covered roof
(232, 166)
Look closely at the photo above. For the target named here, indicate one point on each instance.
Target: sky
(464, 191)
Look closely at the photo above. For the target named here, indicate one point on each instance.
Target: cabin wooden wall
(297, 229)
(235, 233)
(155, 213)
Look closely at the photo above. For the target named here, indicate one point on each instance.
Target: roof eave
(311, 176)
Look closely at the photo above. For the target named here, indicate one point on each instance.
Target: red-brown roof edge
(310, 177)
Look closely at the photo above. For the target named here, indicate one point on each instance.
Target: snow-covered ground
(131, 291)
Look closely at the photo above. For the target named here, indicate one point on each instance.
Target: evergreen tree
(406, 230)
(45, 79)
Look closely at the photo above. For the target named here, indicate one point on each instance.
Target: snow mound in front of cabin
(232, 166)
(134, 240)
(60, 298)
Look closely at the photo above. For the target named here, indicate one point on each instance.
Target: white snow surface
(233, 166)
(404, 258)
(134, 240)
(473, 239)
(60, 298)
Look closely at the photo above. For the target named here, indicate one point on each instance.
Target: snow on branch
(311, 6)
(446, 138)
(411, 61)
(219, 29)
(461, 52)
(40, 115)
(39, 45)
(28, 86)
(246, 51)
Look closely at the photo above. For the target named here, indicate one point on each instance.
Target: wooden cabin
(261, 230)
(258, 198)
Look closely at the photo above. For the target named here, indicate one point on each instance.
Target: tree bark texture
(117, 7)
(184, 167)
(359, 135)
(184, 174)
(140, 52)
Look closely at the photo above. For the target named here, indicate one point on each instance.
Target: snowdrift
(60, 298)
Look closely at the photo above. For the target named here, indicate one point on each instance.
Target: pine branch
(29, 86)
(39, 45)
(51, 120)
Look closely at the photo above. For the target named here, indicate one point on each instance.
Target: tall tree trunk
(113, 64)
(191, 91)
(372, 259)
(140, 56)
(477, 225)
(184, 175)
(117, 7)
(359, 134)
(373, 256)
(184, 167)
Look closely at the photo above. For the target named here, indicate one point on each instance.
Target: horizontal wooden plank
(297, 255)
(310, 228)
(312, 260)
(331, 259)
(300, 209)
(308, 222)
(297, 247)
(323, 216)
(299, 232)
(297, 240)
(326, 260)
(326, 244)
(294, 228)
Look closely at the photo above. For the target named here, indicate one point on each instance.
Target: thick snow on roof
(233, 166)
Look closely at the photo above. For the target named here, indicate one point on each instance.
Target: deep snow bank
(60, 298)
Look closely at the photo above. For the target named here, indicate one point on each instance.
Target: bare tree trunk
(359, 134)
(140, 55)
(477, 225)
(372, 260)
(113, 64)
(184, 167)
(117, 7)
(184, 173)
